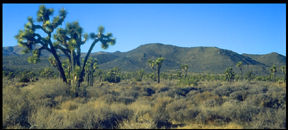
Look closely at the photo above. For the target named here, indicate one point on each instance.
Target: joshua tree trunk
(58, 64)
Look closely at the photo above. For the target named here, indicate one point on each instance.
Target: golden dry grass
(210, 126)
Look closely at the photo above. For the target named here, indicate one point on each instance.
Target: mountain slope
(199, 59)
(269, 59)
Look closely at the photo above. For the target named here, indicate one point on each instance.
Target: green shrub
(27, 76)
(229, 74)
(113, 76)
(47, 73)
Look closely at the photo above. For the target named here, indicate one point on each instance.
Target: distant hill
(11, 50)
(199, 59)
(269, 59)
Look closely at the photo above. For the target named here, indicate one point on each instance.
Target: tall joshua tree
(273, 71)
(156, 65)
(67, 40)
(159, 62)
(184, 69)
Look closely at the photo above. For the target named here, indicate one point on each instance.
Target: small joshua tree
(229, 74)
(184, 69)
(66, 40)
(273, 70)
(158, 64)
(152, 65)
(90, 68)
(113, 76)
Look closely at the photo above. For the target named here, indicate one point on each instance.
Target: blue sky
(243, 28)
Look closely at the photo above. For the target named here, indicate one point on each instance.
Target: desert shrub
(139, 75)
(274, 97)
(24, 78)
(258, 89)
(15, 107)
(9, 74)
(47, 73)
(27, 76)
(113, 76)
(239, 112)
(224, 90)
(164, 89)
(200, 98)
(189, 81)
(269, 119)
(148, 91)
(96, 91)
(213, 102)
(48, 89)
(184, 91)
(239, 95)
(211, 116)
(132, 92)
(159, 113)
(90, 115)
(141, 118)
(44, 92)
(179, 110)
(245, 112)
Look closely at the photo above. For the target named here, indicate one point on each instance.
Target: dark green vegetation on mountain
(198, 59)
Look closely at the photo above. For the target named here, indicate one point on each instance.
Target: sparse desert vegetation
(145, 104)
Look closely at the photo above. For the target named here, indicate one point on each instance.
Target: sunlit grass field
(146, 104)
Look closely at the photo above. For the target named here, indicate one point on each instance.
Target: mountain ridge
(199, 59)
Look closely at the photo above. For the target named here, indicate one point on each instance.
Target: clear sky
(243, 28)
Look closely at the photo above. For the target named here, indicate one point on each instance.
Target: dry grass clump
(74, 114)
(15, 107)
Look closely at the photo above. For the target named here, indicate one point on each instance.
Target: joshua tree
(184, 69)
(89, 70)
(113, 75)
(283, 70)
(156, 63)
(152, 64)
(67, 40)
(159, 62)
(239, 65)
(229, 74)
(273, 70)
